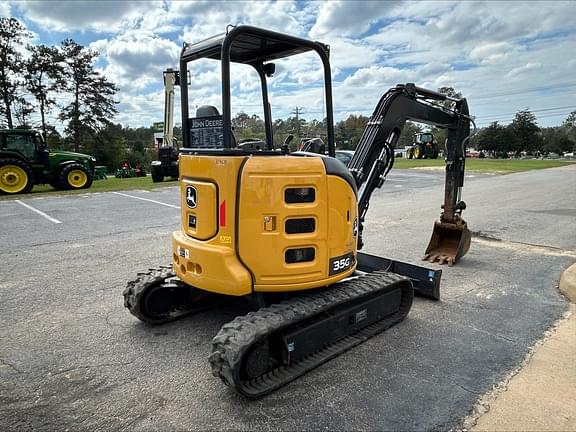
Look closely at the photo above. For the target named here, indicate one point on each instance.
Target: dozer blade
(449, 242)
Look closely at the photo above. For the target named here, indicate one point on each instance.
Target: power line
(545, 115)
(568, 95)
(510, 119)
(526, 90)
(490, 116)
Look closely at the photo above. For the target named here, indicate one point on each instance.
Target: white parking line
(50, 218)
(146, 199)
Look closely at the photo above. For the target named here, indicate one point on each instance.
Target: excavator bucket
(449, 242)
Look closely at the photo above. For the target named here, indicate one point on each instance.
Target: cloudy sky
(503, 56)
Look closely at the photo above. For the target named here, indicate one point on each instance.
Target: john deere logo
(191, 198)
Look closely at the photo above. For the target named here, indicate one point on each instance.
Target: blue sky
(503, 56)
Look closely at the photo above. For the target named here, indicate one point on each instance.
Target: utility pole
(297, 111)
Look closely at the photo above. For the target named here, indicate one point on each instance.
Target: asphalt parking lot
(72, 357)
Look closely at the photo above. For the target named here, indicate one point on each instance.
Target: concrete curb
(541, 393)
(568, 283)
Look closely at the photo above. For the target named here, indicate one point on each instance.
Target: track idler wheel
(449, 242)
(158, 296)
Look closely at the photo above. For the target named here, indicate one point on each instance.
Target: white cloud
(491, 53)
(99, 16)
(137, 58)
(349, 17)
(499, 54)
(523, 69)
(141, 110)
(5, 9)
(208, 18)
(349, 53)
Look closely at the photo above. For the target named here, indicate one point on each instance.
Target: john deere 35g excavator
(285, 228)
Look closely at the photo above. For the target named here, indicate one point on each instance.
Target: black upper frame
(253, 46)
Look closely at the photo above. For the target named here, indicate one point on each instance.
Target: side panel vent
(300, 226)
(300, 255)
(299, 195)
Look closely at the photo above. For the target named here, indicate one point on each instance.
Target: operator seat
(207, 111)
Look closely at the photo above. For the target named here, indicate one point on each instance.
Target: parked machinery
(284, 229)
(424, 147)
(25, 161)
(167, 163)
(127, 171)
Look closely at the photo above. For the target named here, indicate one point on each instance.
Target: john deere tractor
(25, 161)
(424, 147)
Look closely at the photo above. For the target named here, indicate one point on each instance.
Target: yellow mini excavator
(284, 228)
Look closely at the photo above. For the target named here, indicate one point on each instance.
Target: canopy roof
(250, 45)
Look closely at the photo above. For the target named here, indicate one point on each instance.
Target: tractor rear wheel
(419, 151)
(75, 176)
(16, 176)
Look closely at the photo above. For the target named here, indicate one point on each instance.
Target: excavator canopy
(255, 47)
(250, 45)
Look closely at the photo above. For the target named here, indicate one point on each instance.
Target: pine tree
(44, 75)
(93, 104)
(12, 33)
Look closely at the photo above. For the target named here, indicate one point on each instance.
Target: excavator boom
(374, 157)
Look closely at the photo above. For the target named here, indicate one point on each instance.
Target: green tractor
(424, 147)
(25, 161)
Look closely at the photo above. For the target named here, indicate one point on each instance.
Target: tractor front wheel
(16, 176)
(75, 176)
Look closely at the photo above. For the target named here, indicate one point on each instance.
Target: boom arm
(171, 79)
(374, 156)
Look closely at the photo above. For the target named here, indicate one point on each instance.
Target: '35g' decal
(341, 263)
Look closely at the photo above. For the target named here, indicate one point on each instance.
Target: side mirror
(269, 69)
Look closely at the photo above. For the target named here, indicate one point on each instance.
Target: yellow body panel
(251, 253)
(220, 270)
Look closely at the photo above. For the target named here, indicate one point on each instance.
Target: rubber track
(135, 289)
(236, 337)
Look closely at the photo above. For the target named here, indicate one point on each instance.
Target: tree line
(521, 136)
(524, 136)
(38, 80)
(41, 78)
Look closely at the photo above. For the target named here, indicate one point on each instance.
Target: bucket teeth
(442, 259)
(449, 243)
